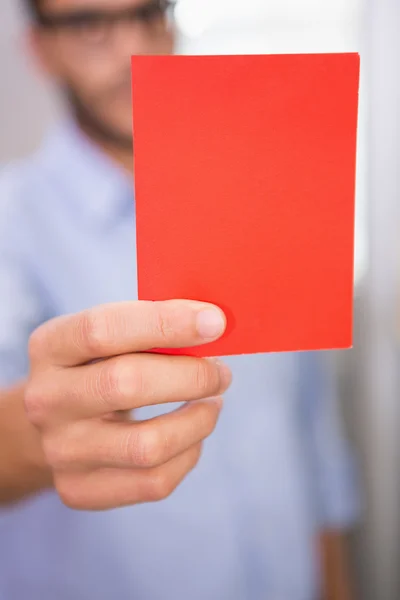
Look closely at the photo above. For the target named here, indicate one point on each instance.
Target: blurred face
(86, 46)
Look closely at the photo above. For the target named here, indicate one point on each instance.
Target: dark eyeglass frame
(144, 13)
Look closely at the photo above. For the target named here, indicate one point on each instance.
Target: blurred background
(369, 374)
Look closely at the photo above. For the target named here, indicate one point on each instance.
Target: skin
(67, 427)
(87, 370)
(97, 76)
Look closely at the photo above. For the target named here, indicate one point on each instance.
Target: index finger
(125, 328)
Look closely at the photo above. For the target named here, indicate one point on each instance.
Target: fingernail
(225, 374)
(210, 324)
(218, 400)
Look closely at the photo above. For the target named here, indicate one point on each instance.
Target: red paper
(245, 178)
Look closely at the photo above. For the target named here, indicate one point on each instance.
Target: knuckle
(205, 378)
(132, 380)
(71, 494)
(108, 383)
(147, 447)
(163, 326)
(119, 382)
(160, 487)
(91, 331)
(37, 343)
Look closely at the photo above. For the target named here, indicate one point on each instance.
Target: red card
(245, 179)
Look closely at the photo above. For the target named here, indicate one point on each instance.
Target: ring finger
(122, 445)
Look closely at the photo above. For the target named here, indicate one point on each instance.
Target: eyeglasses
(96, 25)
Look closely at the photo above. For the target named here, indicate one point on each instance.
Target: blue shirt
(243, 525)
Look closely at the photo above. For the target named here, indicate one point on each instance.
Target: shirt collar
(97, 187)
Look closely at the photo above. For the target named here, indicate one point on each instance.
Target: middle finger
(130, 382)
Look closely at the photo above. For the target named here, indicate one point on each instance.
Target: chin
(125, 133)
(123, 128)
(115, 134)
(121, 131)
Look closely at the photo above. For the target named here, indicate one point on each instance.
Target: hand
(87, 367)
(336, 570)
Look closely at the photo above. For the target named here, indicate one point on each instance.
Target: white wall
(379, 414)
(26, 105)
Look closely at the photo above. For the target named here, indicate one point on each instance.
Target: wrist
(23, 468)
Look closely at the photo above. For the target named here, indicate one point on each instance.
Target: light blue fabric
(243, 525)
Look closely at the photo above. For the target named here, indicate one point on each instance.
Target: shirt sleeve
(20, 303)
(332, 467)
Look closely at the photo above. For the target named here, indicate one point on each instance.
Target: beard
(94, 125)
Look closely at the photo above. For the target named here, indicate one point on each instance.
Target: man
(273, 485)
